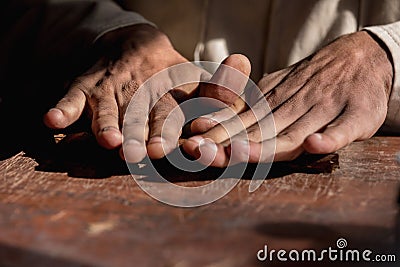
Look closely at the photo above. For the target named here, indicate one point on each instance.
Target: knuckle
(68, 107)
(342, 136)
(356, 55)
(100, 122)
(329, 107)
(80, 83)
(105, 88)
(129, 88)
(238, 106)
(103, 111)
(273, 99)
(254, 134)
(66, 101)
(292, 138)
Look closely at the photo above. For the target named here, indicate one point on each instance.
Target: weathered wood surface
(55, 213)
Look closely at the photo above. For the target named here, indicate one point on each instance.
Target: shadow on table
(79, 155)
(17, 256)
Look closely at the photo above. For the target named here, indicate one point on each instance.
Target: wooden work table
(77, 206)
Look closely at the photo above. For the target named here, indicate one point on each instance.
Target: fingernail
(212, 122)
(318, 136)
(133, 151)
(105, 129)
(197, 139)
(56, 110)
(208, 151)
(239, 151)
(210, 119)
(208, 116)
(207, 144)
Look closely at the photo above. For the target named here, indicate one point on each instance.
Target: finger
(222, 134)
(227, 129)
(68, 109)
(184, 89)
(263, 152)
(350, 126)
(218, 134)
(105, 118)
(206, 151)
(238, 123)
(259, 131)
(135, 128)
(124, 96)
(274, 79)
(229, 81)
(251, 97)
(289, 113)
(71, 106)
(260, 126)
(166, 121)
(206, 122)
(226, 85)
(252, 152)
(288, 82)
(288, 143)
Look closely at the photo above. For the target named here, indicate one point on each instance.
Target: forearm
(390, 35)
(83, 21)
(44, 30)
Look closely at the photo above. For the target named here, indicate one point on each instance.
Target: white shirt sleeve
(390, 35)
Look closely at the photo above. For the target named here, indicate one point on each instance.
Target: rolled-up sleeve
(86, 18)
(390, 35)
(40, 29)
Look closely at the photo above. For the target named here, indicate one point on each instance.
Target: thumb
(229, 81)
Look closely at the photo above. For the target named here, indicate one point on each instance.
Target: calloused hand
(155, 131)
(131, 56)
(319, 105)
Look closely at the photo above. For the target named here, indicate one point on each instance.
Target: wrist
(136, 37)
(384, 60)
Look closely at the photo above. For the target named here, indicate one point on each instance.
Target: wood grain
(78, 206)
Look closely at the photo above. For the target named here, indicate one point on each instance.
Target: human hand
(319, 105)
(161, 135)
(131, 56)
